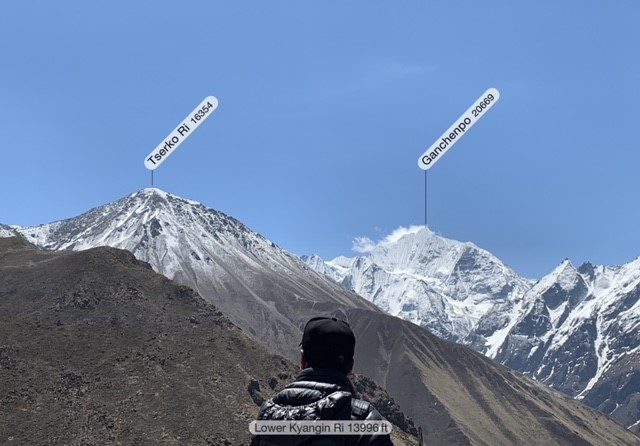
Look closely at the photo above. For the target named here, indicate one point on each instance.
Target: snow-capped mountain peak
(156, 226)
(444, 285)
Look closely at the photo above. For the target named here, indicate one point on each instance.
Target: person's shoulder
(364, 410)
(265, 408)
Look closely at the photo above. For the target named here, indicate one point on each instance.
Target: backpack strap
(359, 409)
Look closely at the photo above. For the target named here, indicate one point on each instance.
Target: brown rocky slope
(97, 349)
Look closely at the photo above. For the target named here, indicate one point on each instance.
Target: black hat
(327, 340)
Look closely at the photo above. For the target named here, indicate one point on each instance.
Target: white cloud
(362, 245)
(365, 245)
(400, 232)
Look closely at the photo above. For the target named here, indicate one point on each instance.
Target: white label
(461, 125)
(180, 133)
(320, 427)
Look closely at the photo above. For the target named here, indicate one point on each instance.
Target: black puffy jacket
(319, 394)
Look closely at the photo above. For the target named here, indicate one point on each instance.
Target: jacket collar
(326, 376)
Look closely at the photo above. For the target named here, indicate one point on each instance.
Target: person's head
(328, 343)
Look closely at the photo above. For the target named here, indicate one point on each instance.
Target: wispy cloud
(366, 75)
(365, 245)
(398, 69)
(383, 72)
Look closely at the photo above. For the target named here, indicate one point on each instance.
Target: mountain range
(575, 329)
(457, 395)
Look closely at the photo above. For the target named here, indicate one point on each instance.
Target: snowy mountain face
(150, 218)
(7, 231)
(577, 330)
(448, 287)
(261, 287)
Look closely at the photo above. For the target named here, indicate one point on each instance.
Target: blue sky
(324, 109)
